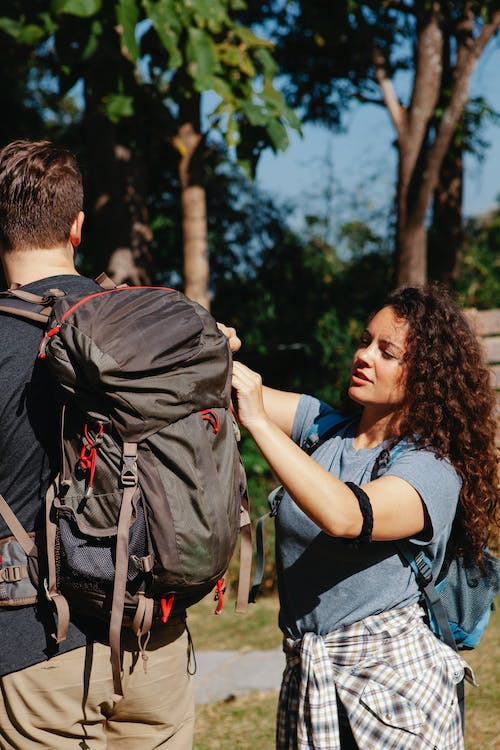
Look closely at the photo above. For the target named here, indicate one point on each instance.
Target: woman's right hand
(247, 385)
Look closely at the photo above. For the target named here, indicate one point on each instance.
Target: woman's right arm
(281, 407)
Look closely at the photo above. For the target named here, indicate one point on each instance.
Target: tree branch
(391, 100)
(428, 74)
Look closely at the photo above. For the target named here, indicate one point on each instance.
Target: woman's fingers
(248, 387)
(231, 335)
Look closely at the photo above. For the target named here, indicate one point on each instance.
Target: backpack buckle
(129, 471)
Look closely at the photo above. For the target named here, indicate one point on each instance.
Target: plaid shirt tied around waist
(395, 679)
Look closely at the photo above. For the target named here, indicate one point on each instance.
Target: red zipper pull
(220, 590)
(166, 607)
(45, 341)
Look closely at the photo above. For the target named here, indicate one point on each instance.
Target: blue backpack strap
(438, 618)
(422, 569)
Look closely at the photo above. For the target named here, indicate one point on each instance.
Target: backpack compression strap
(129, 482)
(16, 527)
(242, 597)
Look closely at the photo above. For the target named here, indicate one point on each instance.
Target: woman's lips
(357, 375)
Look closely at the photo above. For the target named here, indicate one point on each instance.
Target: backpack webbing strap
(18, 312)
(129, 482)
(15, 299)
(423, 575)
(242, 597)
(16, 527)
(105, 281)
(51, 590)
(143, 618)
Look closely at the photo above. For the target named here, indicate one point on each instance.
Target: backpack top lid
(144, 356)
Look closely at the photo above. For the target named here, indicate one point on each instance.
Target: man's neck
(25, 266)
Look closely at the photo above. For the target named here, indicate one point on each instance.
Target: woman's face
(378, 372)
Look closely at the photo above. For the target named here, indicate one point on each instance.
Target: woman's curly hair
(450, 407)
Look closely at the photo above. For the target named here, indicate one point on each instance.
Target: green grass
(248, 721)
(257, 628)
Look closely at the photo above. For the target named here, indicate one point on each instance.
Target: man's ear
(75, 233)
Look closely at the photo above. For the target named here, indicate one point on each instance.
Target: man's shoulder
(68, 283)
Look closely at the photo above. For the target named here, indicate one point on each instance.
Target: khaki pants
(66, 703)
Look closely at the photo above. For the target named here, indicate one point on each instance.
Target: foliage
(479, 281)
(415, 59)
(166, 49)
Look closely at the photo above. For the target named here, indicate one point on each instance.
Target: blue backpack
(459, 599)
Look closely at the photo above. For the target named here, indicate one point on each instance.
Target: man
(59, 695)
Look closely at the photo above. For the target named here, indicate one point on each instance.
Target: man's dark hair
(41, 194)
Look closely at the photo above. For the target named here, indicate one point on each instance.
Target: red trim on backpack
(56, 329)
(166, 607)
(110, 291)
(211, 416)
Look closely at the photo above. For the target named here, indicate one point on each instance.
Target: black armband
(365, 507)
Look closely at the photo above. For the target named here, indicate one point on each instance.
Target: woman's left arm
(398, 510)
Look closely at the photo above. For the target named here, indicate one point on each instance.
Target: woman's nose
(365, 354)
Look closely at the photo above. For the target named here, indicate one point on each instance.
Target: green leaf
(81, 8)
(210, 13)
(31, 34)
(255, 115)
(127, 15)
(271, 96)
(165, 20)
(92, 41)
(118, 106)
(201, 58)
(221, 87)
(48, 22)
(278, 135)
(250, 39)
(232, 134)
(236, 57)
(265, 60)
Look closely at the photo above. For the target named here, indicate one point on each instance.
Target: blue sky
(362, 161)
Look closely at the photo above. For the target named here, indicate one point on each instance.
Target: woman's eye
(387, 354)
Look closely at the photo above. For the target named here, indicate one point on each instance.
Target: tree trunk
(422, 151)
(190, 144)
(446, 234)
(411, 252)
(117, 232)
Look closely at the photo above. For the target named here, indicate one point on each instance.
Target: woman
(363, 669)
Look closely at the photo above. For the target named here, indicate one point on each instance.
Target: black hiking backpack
(145, 514)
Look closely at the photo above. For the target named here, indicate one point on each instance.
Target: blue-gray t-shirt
(325, 582)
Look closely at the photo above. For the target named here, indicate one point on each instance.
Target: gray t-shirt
(326, 582)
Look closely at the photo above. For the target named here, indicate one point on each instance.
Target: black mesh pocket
(88, 562)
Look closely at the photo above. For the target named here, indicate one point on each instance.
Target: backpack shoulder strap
(22, 304)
